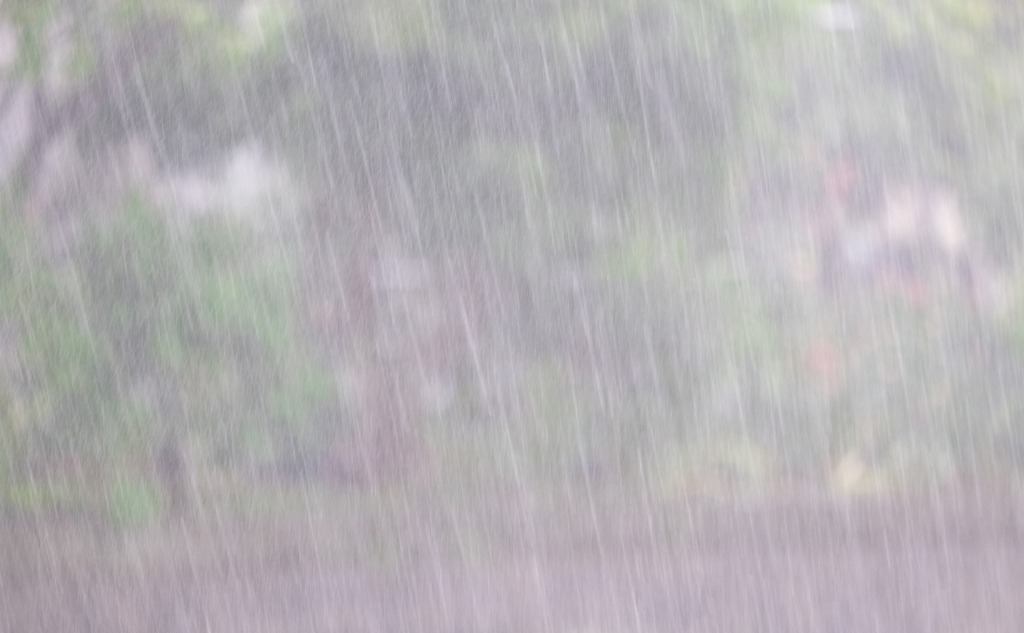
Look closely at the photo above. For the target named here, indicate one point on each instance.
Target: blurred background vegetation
(511, 243)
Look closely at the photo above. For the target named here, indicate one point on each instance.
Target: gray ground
(953, 562)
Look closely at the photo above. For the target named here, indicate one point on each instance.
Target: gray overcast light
(560, 316)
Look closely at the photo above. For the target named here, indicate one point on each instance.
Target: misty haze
(511, 315)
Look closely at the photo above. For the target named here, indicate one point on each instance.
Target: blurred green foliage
(152, 330)
(636, 139)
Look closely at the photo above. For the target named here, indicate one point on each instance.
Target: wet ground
(947, 562)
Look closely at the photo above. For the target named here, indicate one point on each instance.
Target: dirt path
(901, 567)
